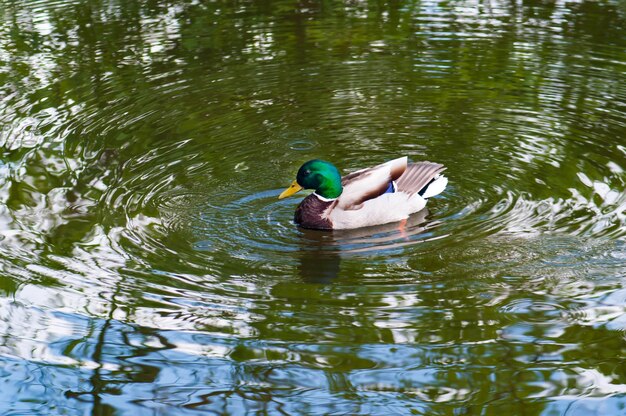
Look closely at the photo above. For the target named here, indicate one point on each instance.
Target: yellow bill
(291, 190)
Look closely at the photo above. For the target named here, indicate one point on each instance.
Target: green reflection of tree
(83, 73)
(114, 345)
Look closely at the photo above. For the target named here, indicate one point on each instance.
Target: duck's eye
(307, 172)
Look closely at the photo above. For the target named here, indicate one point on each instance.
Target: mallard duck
(382, 194)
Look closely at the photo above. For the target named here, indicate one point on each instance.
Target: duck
(389, 192)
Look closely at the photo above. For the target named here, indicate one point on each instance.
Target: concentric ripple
(264, 226)
(146, 264)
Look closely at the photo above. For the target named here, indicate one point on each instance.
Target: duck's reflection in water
(321, 251)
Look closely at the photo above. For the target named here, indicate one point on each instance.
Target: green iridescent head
(319, 175)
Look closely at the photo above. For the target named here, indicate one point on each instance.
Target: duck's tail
(423, 178)
(435, 187)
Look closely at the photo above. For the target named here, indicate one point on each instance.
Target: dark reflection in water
(146, 265)
(318, 264)
(321, 251)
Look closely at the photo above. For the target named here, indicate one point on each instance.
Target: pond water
(148, 268)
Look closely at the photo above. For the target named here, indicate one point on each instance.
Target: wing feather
(417, 176)
(370, 183)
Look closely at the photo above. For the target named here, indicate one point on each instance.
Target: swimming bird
(381, 194)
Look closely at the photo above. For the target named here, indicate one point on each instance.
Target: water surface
(147, 267)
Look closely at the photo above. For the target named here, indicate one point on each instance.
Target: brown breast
(309, 213)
